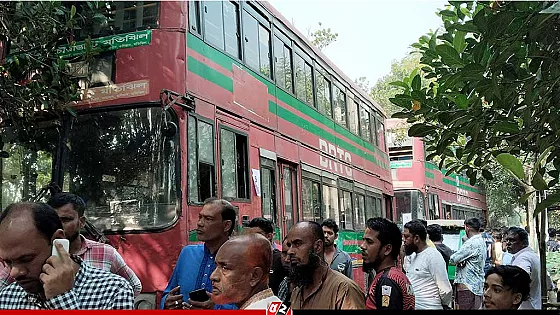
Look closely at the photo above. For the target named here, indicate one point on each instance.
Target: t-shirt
(445, 252)
(428, 275)
(390, 290)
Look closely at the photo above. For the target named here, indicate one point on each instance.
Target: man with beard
(426, 269)
(46, 281)
(517, 243)
(241, 274)
(70, 209)
(316, 285)
(336, 258)
(390, 289)
(216, 222)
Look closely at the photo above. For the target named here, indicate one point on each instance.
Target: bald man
(241, 275)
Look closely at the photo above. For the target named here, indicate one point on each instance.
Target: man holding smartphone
(216, 222)
(44, 281)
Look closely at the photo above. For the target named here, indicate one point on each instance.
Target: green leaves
(449, 55)
(506, 126)
(512, 164)
(420, 130)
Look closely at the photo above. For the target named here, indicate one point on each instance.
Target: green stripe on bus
(210, 74)
(463, 186)
(429, 175)
(316, 130)
(463, 179)
(223, 60)
(222, 80)
(311, 112)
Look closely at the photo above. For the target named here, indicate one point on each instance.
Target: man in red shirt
(390, 289)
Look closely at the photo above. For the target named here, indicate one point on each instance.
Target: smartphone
(199, 295)
(65, 243)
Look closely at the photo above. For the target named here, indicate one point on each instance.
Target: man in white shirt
(517, 242)
(241, 275)
(426, 269)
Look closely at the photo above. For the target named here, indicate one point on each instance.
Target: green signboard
(401, 164)
(107, 43)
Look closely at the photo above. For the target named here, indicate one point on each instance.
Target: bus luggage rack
(169, 98)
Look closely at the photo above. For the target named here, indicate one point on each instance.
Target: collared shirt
(284, 293)
(98, 255)
(5, 278)
(529, 261)
(342, 263)
(192, 272)
(471, 274)
(104, 256)
(260, 301)
(93, 289)
(334, 292)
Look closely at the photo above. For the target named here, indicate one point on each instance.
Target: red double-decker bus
(422, 190)
(189, 100)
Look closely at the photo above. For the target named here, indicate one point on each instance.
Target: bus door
(268, 190)
(288, 193)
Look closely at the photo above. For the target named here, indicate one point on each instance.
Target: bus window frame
(215, 189)
(248, 191)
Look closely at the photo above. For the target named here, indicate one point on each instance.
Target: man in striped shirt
(70, 209)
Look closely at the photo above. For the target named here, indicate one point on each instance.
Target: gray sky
(371, 33)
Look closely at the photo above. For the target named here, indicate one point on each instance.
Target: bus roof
(442, 222)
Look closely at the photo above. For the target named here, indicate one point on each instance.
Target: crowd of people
(406, 269)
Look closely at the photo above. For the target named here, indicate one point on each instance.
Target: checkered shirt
(96, 254)
(5, 278)
(93, 289)
(104, 256)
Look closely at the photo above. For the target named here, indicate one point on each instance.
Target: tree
(382, 91)
(322, 37)
(502, 197)
(496, 77)
(35, 80)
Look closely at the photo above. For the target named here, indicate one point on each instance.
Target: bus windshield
(120, 162)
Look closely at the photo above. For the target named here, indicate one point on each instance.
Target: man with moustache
(336, 258)
(216, 222)
(390, 288)
(517, 243)
(47, 282)
(70, 209)
(241, 275)
(426, 269)
(316, 285)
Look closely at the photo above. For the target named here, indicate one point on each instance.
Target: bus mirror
(169, 129)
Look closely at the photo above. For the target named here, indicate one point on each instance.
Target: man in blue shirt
(195, 264)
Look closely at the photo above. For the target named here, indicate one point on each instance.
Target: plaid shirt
(96, 254)
(284, 293)
(93, 289)
(104, 256)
